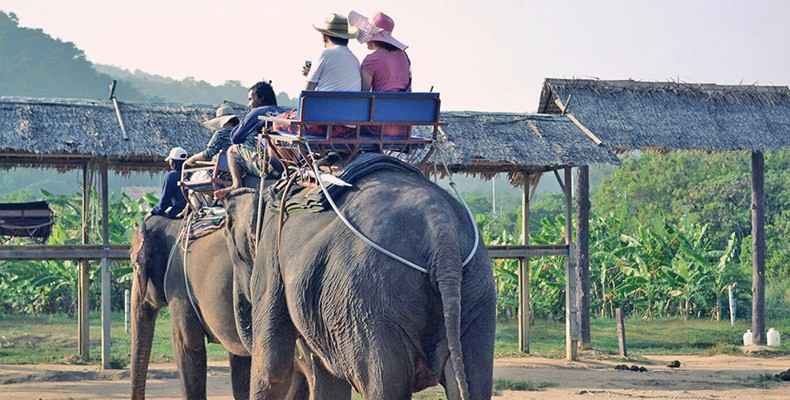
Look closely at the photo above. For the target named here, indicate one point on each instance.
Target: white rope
(376, 245)
(351, 226)
(186, 277)
(460, 198)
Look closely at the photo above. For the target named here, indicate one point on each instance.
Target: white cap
(177, 154)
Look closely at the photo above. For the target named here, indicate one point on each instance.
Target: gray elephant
(210, 275)
(374, 323)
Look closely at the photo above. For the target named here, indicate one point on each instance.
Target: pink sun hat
(379, 30)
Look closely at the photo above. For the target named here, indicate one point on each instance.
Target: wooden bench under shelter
(31, 220)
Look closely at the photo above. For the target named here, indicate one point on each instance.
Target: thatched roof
(630, 115)
(66, 132)
(486, 143)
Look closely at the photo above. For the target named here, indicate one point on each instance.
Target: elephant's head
(240, 227)
(150, 250)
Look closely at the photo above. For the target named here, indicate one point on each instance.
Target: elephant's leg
(274, 341)
(240, 376)
(189, 344)
(478, 347)
(388, 371)
(322, 384)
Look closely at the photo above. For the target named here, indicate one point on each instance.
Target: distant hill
(37, 65)
(188, 90)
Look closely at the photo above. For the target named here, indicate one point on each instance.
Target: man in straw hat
(222, 125)
(337, 68)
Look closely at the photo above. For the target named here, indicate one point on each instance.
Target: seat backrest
(370, 107)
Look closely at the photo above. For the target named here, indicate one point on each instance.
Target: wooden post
(758, 248)
(570, 274)
(83, 285)
(582, 255)
(105, 269)
(618, 313)
(731, 299)
(524, 309)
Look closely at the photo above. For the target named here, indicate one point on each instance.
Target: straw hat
(224, 114)
(336, 25)
(378, 30)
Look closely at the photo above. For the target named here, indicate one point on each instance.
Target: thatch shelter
(486, 143)
(88, 134)
(630, 115)
(69, 132)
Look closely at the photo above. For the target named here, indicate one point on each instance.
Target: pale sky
(487, 55)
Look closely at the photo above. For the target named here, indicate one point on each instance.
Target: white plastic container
(774, 338)
(747, 338)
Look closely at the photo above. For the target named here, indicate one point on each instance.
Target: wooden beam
(758, 248)
(582, 255)
(518, 252)
(587, 132)
(570, 275)
(524, 307)
(105, 269)
(66, 252)
(83, 285)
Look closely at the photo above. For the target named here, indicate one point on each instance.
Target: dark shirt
(171, 197)
(247, 131)
(220, 141)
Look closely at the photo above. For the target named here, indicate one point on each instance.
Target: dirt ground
(699, 377)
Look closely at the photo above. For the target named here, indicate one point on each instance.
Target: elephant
(210, 281)
(375, 324)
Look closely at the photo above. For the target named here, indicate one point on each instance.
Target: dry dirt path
(715, 377)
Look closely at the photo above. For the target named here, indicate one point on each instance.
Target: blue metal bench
(360, 115)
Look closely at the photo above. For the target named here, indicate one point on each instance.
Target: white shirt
(337, 70)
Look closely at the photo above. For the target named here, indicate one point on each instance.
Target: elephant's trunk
(143, 321)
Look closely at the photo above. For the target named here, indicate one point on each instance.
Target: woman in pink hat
(387, 68)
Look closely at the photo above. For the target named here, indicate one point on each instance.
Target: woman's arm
(367, 80)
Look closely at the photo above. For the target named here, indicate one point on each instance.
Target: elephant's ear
(139, 258)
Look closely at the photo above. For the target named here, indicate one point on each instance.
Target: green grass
(643, 337)
(52, 338)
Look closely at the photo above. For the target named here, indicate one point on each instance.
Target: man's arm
(241, 131)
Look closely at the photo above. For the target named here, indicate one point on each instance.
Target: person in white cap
(172, 201)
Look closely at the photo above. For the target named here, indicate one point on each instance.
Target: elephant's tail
(448, 270)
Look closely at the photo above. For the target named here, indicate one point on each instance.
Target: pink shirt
(391, 70)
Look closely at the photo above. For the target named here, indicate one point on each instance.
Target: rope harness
(375, 245)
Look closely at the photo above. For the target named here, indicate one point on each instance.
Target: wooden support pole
(758, 248)
(582, 256)
(83, 285)
(618, 314)
(105, 270)
(524, 309)
(570, 275)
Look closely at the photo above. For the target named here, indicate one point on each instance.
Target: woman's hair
(337, 41)
(177, 164)
(384, 45)
(265, 92)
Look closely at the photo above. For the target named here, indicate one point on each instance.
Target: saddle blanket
(207, 220)
(300, 199)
